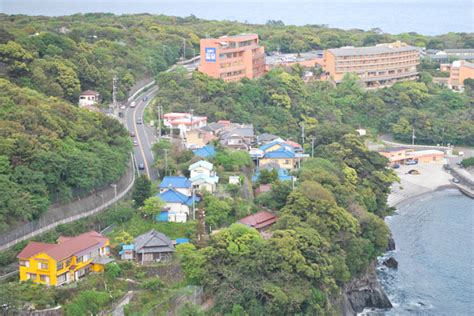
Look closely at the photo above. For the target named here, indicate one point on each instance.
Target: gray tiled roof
(354, 51)
(153, 241)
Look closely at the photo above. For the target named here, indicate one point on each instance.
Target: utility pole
(159, 110)
(194, 204)
(114, 92)
(166, 161)
(302, 132)
(413, 138)
(184, 49)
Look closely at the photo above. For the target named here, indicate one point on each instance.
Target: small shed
(127, 252)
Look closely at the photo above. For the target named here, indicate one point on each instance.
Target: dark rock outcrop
(391, 263)
(364, 291)
(391, 243)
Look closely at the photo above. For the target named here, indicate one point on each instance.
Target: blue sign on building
(210, 54)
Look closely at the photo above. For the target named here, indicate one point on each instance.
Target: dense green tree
(141, 190)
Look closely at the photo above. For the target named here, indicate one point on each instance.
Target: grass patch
(138, 225)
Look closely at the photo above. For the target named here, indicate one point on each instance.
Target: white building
(89, 97)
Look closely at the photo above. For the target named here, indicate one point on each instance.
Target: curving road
(143, 134)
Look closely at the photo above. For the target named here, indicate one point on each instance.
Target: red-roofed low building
(67, 261)
(260, 221)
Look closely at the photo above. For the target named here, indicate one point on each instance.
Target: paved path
(143, 152)
(431, 177)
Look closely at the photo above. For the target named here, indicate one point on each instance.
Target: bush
(468, 162)
(154, 284)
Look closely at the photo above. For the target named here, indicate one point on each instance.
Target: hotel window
(59, 265)
(68, 262)
(43, 265)
(25, 263)
(44, 278)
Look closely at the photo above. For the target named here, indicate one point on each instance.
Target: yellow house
(67, 261)
(280, 154)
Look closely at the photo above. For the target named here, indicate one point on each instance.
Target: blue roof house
(207, 151)
(178, 205)
(180, 184)
(283, 174)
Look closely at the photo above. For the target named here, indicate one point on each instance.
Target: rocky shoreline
(366, 291)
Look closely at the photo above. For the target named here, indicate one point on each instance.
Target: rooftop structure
(260, 221)
(175, 182)
(307, 59)
(153, 246)
(448, 55)
(377, 66)
(205, 152)
(232, 58)
(184, 122)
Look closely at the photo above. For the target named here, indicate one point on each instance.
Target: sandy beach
(431, 177)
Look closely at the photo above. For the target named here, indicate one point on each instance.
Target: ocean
(434, 238)
(391, 16)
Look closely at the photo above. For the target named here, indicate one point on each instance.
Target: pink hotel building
(232, 58)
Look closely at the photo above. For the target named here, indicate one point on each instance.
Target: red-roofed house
(260, 221)
(296, 147)
(68, 260)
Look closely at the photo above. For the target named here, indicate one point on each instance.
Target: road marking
(139, 142)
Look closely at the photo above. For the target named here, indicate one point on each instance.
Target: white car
(132, 105)
(123, 107)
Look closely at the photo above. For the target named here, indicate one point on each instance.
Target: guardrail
(189, 61)
(416, 146)
(133, 96)
(73, 218)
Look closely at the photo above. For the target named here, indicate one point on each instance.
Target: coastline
(431, 178)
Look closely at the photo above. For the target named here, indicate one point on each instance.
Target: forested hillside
(60, 56)
(51, 150)
(437, 114)
(329, 230)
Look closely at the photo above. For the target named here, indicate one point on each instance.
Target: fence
(61, 214)
(416, 146)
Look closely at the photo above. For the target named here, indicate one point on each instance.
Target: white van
(132, 105)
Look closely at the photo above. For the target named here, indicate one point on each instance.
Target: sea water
(429, 17)
(434, 238)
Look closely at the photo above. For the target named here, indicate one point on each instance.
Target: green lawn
(137, 226)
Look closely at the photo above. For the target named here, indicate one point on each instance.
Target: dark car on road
(132, 134)
(120, 114)
(141, 166)
(139, 121)
(145, 98)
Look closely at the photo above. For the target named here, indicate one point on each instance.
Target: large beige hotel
(377, 66)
